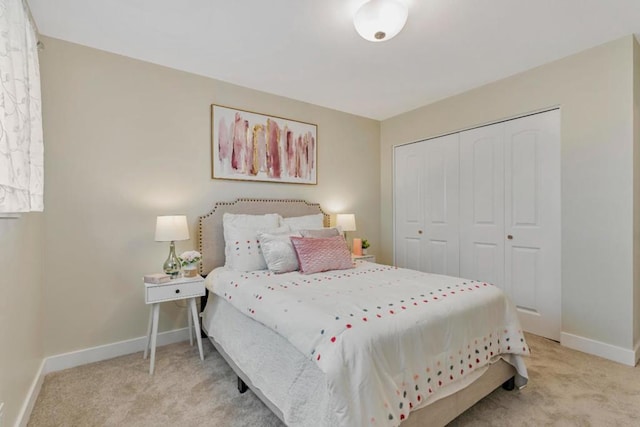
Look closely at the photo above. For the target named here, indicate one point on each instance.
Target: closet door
(532, 221)
(408, 206)
(441, 205)
(482, 204)
(426, 212)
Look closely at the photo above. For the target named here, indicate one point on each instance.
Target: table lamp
(346, 222)
(170, 228)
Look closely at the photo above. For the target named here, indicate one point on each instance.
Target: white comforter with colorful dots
(388, 339)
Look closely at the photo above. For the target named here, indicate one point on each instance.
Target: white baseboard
(32, 396)
(109, 351)
(90, 355)
(597, 348)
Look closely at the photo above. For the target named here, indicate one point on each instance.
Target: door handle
(509, 237)
(419, 231)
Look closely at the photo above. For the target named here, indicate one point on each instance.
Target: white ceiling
(309, 50)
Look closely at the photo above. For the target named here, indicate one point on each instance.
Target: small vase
(364, 251)
(190, 270)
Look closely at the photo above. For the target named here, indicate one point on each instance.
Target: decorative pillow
(242, 249)
(278, 251)
(322, 254)
(320, 232)
(252, 222)
(306, 221)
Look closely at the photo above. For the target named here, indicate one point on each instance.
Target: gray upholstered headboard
(211, 238)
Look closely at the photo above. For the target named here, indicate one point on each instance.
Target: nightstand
(368, 258)
(184, 288)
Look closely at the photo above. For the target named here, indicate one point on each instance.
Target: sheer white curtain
(21, 146)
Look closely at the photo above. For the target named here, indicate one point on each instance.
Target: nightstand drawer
(169, 291)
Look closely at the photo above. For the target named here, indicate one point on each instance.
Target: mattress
(287, 376)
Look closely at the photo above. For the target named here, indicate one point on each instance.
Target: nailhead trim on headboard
(211, 250)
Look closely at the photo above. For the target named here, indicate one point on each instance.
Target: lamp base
(172, 264)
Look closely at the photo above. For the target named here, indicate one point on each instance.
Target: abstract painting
(255, 147)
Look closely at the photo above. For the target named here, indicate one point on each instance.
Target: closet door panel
(532, 221)
(524, 265)
(482, 204)
(486, 257)
(408, 206)
(484, 170)
(437, 257)
(411, 249)
(441, 206)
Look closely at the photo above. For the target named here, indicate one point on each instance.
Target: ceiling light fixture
(380, 20)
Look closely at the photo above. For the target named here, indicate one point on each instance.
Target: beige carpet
(566, 388)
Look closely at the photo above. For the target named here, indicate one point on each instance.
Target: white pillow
(242, 248)
(304, 222)
(278, 251)
(266, 221)
(252, 222)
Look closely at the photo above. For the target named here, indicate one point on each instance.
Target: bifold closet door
(482, 204)
(510, 215)
(426, 205)
(532, 221)
(408, 206)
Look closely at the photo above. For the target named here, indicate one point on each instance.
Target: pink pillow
(322, 254)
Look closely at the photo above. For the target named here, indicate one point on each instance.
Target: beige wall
(21, 264)
(129, 140)
(594, 90)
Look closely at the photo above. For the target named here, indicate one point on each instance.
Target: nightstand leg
(146, 348)
(154, 336)
(196, 324)
(190, 324)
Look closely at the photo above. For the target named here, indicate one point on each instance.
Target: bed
(285, 370)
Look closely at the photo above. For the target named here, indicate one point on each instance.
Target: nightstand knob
(177, 291)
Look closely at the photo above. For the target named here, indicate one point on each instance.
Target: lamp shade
(347, 222)
(171, 227)
(380, 20)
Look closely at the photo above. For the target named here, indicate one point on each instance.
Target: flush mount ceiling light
(380, 20)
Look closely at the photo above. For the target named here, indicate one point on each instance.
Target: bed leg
(509, 384)
(242, 387)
